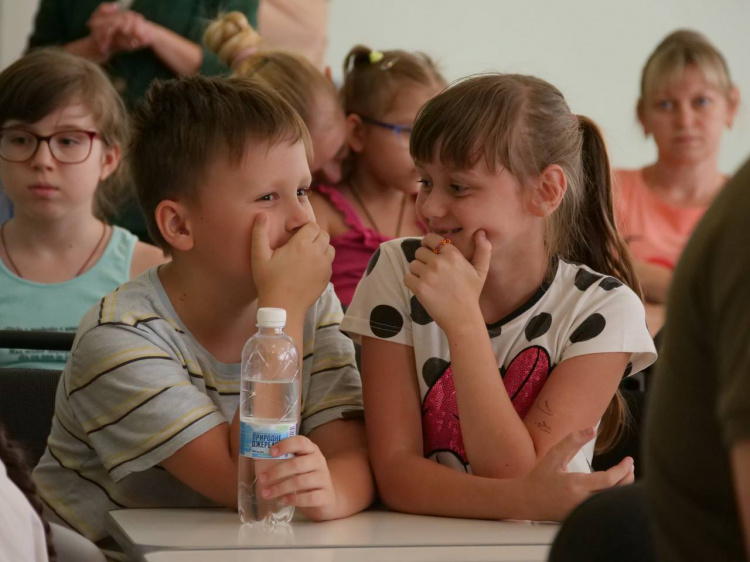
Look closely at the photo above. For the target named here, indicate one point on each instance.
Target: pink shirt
(655, 231)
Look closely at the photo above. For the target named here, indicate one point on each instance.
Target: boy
(145, 413)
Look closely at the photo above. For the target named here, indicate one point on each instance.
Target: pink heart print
(441, 428)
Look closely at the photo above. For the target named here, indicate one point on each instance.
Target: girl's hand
(292, 276)
(446, 284)
(553, 493)
(115, 30)
(303, 481)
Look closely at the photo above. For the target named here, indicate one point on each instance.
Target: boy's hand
(446, 284)
(292, 276)
(303, 481)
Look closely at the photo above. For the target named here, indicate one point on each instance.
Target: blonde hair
(679, 50)
(292, 76)
(524, 124)
(372, 79)
(47, 79)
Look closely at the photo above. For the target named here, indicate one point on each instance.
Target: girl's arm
(408, 482)
(654, 279)
(499, 444)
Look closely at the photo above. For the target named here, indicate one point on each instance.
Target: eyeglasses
(67, 147)
(403, 132)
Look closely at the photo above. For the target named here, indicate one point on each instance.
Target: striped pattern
(137, 388)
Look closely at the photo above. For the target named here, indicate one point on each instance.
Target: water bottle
(269, 412)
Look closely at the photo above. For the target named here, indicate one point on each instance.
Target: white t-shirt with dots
(579, 312)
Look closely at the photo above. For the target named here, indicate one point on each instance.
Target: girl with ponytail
(511, 323)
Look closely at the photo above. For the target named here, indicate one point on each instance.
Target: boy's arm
(209, 463)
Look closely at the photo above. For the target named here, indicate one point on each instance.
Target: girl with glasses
(382, 93)
(62, 130)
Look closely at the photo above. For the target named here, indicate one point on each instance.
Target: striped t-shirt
(138, 387)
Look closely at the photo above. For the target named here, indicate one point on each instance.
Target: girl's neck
(681, 183)
(371, 190)
(219, 316)
(31, 235)
(514, 277)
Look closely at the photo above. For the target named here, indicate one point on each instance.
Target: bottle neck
(270, 331)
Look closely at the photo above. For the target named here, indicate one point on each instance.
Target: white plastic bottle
(269, 412)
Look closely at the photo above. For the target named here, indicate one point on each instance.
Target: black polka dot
(538, 326)
(494, 331)
(418, 313)
(584, 279)
(628, 370)
(410, 247)
(609, 283)
(385, 321)
(433, 369)
(589, 328)
(373, 261)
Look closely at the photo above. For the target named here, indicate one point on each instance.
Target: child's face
(687, 118)
(457, 203)
(273, 180)
(46, 189)
(384, 152)
(328, 135)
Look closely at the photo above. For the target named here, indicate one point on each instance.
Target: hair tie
(375, 56)
(242, 55)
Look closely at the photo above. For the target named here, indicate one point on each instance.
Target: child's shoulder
(580, 286)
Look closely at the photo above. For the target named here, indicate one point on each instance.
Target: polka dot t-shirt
(577, 313)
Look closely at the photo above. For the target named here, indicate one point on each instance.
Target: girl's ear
(110, 161)
(549, 191)
(175, 225)
(355, 132)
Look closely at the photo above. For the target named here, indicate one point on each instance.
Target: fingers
(261, 247)
(284, 469)
(297, 445)
(314, 498)
(306, 482)
(482, 253)
(597, 481)
(559, 456)
(431, 241)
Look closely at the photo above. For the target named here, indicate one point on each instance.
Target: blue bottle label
(257, 438)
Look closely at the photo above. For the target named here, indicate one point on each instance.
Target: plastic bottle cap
(271, 317)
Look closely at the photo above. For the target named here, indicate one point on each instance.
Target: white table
(140, 531)
(391, 554)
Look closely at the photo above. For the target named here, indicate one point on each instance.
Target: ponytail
(19, 473)
(601, 247)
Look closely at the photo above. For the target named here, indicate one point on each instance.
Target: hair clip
(376, 56)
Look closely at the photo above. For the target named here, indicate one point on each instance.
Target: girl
(382, 94)
(310, 92)
(492, 318)
(687, 99)
(62, 126)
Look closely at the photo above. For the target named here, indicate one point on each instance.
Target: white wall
(593, 50)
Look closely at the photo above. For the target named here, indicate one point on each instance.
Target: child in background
(310, 92)
(147, 409)
(511, 315)
(62, 131)
(687, 99)
(382, 93)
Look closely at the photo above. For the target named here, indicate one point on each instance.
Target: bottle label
(257, 438)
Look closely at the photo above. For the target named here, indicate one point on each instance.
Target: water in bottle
(269, 412)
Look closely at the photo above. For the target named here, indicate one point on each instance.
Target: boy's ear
(110, 161)
(355, 132)
(549, 191)
(175, 225)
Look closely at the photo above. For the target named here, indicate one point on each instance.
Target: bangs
(474, 118)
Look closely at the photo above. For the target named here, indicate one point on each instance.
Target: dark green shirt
(700, 405)
(61, 21)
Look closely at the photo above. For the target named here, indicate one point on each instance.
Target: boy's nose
(298, 217)
(432, 204)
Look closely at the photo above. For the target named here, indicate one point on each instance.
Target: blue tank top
(59, 307)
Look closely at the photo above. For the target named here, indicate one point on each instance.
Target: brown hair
(46, 80)
(291, 75)
(372, 79)
(184, 125)
(524, 124)
(679, 50)
(19, 472)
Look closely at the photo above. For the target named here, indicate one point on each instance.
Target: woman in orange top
(687, 99)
